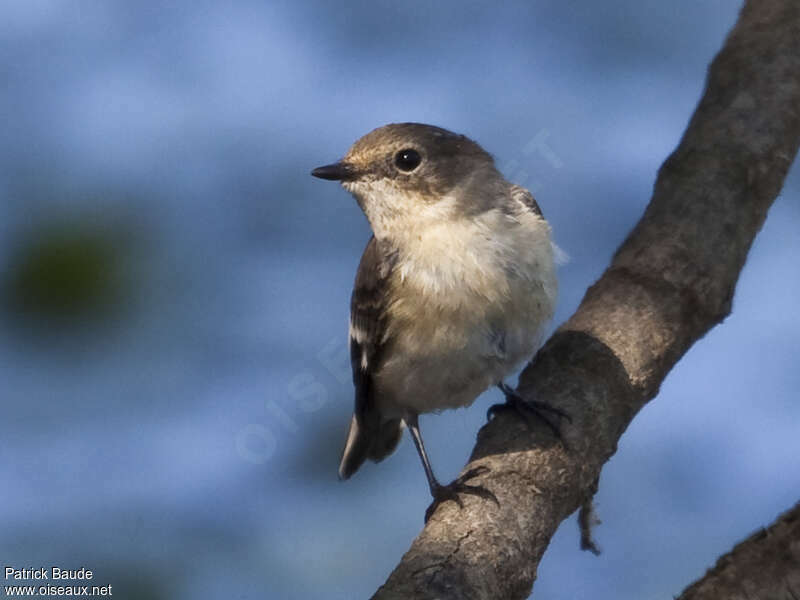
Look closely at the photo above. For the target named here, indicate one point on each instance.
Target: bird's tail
(363, 442)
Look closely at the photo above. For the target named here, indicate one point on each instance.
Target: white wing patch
(357, 334)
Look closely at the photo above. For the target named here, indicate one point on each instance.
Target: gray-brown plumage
(453, 290)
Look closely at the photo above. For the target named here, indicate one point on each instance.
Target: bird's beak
(340, 171)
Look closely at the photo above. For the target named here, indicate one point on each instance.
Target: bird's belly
(433, 385)
(447, 360)
(465, 310)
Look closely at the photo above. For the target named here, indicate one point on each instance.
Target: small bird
(453, 291)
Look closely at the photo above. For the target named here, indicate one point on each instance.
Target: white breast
(470, 299)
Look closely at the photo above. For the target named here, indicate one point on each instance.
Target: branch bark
(765, 565)
(671, 281)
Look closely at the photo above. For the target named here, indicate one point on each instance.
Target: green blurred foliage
(65, 271)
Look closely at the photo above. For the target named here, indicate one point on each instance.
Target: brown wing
(369, 435)
(520, 194)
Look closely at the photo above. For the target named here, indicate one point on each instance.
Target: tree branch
(671, 281)
(765, 565)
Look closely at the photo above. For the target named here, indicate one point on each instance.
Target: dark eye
(407, 160)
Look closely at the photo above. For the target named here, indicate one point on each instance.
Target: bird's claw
(451, 491)
(527, 409)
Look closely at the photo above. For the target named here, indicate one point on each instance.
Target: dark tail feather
(389, 435)
(367, 442)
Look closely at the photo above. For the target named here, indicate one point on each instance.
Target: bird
(453, 291)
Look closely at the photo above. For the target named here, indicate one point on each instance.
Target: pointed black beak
(340, 171)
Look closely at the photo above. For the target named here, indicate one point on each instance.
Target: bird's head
(407, 174)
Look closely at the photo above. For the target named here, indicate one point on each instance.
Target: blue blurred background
(174, 286)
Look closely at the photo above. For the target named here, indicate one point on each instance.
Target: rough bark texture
(671, 281)
(765, 565)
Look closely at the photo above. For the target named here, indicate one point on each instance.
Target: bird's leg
(442, 493)
(527, 408)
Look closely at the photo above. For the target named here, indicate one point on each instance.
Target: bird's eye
(407, 160)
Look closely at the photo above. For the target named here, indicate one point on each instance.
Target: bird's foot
(451, 491)
(528, 409)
